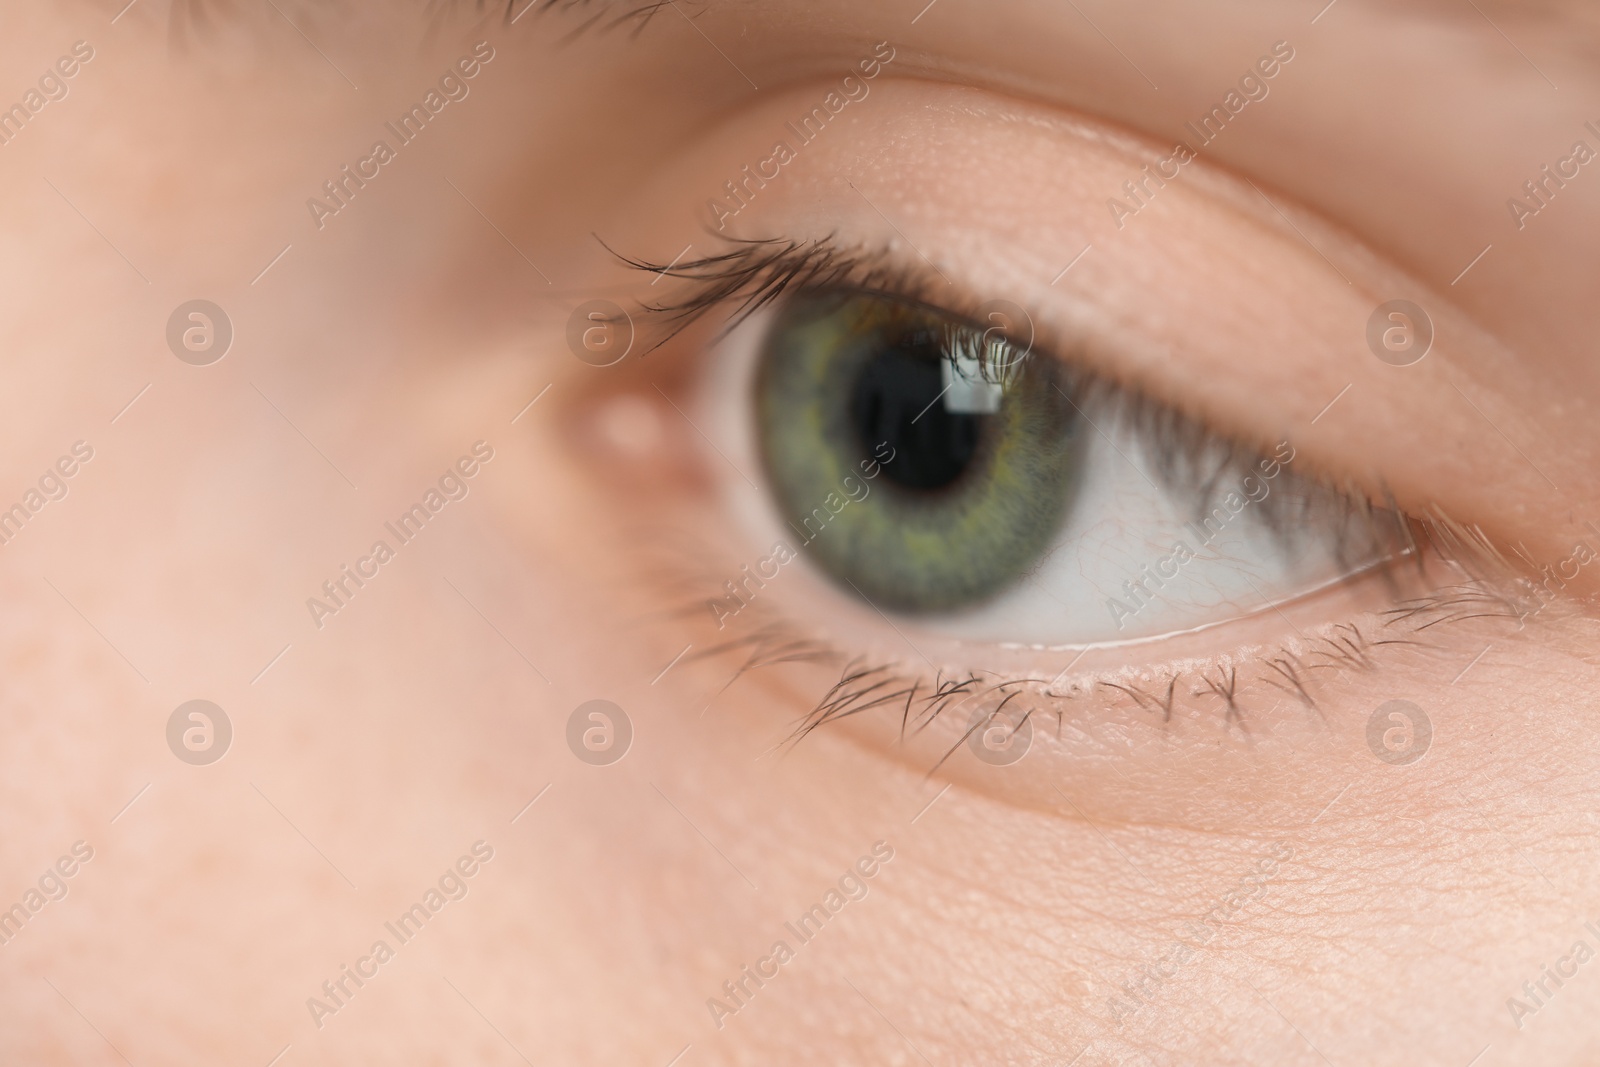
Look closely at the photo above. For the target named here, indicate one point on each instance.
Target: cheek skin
(1387, 853)
(1059, 913)
(1509, 721)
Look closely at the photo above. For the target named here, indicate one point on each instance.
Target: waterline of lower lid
(1271, 605)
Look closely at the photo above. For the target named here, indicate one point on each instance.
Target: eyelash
(634, 11)
(751, 275)
(1188, 456)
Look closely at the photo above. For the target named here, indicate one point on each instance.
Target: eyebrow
(623, 11)
(197, 17)
(202, 13)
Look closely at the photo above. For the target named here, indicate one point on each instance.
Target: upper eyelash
(754, 272)
(1189, 457)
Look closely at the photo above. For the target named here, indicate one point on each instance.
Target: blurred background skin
(369, 755)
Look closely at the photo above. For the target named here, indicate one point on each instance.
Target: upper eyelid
(739, 276)
(1244, 216)
(757, 272)
(1191, 454)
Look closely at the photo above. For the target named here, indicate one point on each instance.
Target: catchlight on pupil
(923, 464)
(897, 402)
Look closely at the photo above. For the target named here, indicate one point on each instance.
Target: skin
(1398, 908)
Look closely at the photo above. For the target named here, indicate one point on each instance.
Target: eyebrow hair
(199, 17)
(641, 11)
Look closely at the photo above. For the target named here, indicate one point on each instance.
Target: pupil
(895, 403)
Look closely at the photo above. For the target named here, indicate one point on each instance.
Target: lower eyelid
(1195, 743)
(1115, 762)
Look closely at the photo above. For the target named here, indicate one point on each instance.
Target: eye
(942, 471)
(1132, 516)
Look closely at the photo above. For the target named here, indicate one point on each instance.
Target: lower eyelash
(1297, 670)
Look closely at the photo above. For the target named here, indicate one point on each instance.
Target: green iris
(921, 462)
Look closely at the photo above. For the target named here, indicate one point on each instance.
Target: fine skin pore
(1213, 871)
